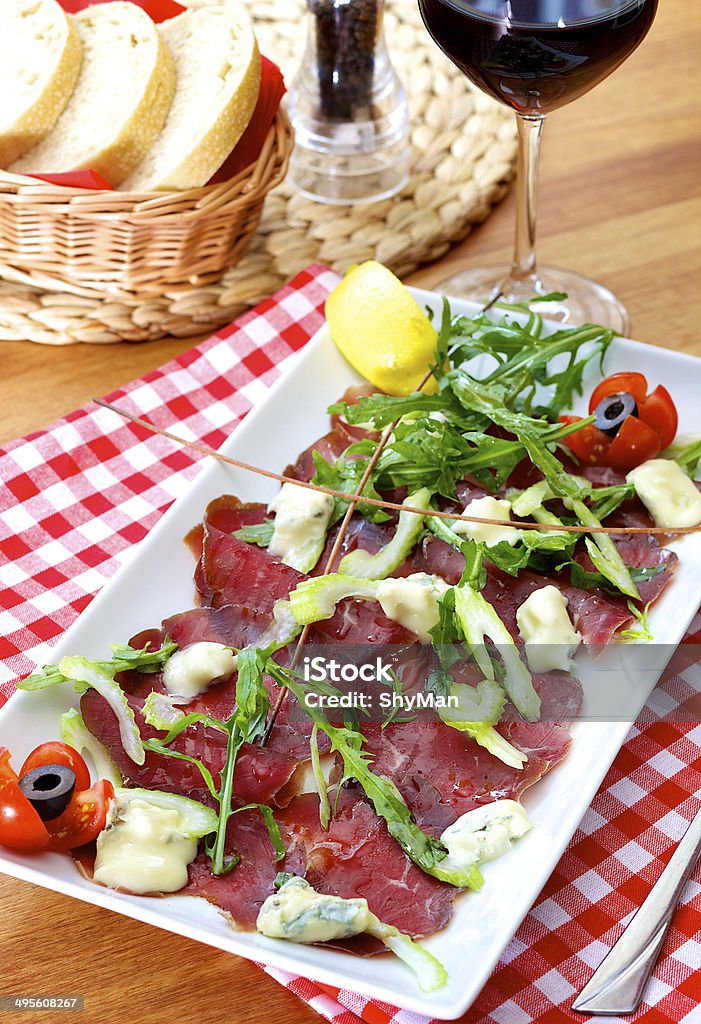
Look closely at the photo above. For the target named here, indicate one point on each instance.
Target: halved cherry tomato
(634, 444)
(6, 770)
(634, 383)
(83, 820)
(59, 753)
(659, 412)
(589, 444)
(21, 828)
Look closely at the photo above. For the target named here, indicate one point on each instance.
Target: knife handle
(618, 983)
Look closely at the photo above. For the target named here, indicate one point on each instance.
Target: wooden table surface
(621, 201)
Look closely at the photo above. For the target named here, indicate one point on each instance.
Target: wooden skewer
(394, 506)
(330, 561)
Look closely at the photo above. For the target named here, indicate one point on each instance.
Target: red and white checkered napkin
(75, 499)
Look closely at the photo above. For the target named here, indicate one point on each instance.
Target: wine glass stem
(524, 268)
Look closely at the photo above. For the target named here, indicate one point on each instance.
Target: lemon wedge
(381, 330)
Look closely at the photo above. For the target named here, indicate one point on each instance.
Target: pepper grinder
(348, 108)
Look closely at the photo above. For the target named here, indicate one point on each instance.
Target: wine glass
(535, 56)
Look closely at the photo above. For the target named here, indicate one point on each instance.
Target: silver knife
(617, 985)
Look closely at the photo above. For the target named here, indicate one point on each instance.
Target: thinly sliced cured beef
(344, 862)
(596, 615)
(360, 622)
(233, 572)
(333, 444)
(235, 625)
(329, 447)
(442, 773)
(228, 514)
(242, 891)
(261, 772)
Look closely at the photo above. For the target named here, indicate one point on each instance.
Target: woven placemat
(464, 148)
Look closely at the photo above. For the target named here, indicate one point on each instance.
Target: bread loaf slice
(40, 57)
(218, 70)
(121, 99)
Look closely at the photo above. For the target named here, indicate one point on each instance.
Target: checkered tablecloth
(78, 496)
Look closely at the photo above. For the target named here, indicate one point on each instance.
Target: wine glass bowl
(536, 56)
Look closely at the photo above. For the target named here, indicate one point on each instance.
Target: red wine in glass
(535, 56)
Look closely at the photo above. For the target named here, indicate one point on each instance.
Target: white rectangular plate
(157, 582)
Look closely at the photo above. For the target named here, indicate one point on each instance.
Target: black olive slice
(49, 789)
(612, 411)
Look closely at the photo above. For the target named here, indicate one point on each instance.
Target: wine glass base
(586, 302)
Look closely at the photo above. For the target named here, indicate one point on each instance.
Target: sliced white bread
(121, 99)
(40, 58)
(218, 71)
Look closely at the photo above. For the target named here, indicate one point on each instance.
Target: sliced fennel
(478, 620)
(76, 734)
(479, 708)
(282, 630)
(195, 819)
(90, 674)
(410, 526)
(316, 599)
(161, 712)
(298, 913)
(497, 745)
(100, 675)
(319, 780)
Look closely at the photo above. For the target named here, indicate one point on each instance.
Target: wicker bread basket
(123, 244)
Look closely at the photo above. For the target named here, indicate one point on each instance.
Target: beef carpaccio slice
(358, 857)
(243, 890)
(442, 773)
(595, 614)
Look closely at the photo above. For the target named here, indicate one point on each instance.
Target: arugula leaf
(689, 457)
(345, 475)
(422, 849)
(586, 579)
(533, 434)
(381, 410)
(644, 633)
(246, 724)
(272, 826)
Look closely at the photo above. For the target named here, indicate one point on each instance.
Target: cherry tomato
(634, 444)
(659, 412)
(634, 383)
(6, 771)
(589, 444)
(21, 828)
(59, 753)
(84, 818)
(642, 435)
